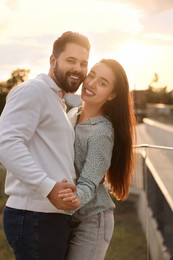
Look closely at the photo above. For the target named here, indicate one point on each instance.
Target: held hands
(68, 195)
(62, 196)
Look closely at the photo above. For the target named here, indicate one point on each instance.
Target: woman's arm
(97, 163)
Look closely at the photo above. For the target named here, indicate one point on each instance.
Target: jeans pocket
(108, 225)
(12, 225)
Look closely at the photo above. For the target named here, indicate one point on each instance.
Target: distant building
(140, 100)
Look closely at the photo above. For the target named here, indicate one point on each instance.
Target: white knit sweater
(36, 144)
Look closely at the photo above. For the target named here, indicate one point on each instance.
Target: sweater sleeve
(18, 123)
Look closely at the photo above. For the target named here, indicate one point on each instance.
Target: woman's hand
(67, 195)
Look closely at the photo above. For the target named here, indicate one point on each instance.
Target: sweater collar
(51, 83)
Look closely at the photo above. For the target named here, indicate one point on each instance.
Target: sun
(135, 57)
(134, 52)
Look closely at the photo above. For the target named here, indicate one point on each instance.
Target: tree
(17, 76)
(157, 93)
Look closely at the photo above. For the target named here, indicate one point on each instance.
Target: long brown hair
(120, 111)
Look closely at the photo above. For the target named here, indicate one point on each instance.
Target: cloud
(7, 8)
(159, 36)
(104, 42)
(29, 28)
(26, 52)
(158, 28)
(12, 4)
(98, 16)
(160, 23)
(155, 6)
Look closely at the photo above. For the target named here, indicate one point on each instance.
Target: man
(36, 148)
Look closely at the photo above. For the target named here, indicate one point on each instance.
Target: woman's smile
(88, 92)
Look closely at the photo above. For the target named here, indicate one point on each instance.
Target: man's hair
(70, 37)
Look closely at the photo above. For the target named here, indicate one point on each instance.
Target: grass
(128, 241)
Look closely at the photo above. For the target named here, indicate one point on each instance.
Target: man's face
(70, 68)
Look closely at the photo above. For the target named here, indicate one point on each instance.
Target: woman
(104, 159)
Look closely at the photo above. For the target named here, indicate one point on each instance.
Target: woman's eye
(103, 84)
(90, 76)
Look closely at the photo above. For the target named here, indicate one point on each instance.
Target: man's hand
(57, 201)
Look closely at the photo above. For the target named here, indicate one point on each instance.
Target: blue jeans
(90, 238)
(35, 235)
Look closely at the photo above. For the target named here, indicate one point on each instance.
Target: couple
(56, 210)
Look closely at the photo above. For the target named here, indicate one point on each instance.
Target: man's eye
(71, 61)
(84, 65)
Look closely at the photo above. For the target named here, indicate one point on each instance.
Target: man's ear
(52, 61)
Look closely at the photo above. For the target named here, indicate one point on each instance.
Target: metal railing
(153, 178)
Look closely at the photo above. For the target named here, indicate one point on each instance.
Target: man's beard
(63, 80)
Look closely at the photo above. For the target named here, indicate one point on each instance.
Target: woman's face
(98, 87)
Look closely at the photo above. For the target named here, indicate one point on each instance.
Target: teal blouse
(93, 147)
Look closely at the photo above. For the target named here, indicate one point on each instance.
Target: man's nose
(77, 67)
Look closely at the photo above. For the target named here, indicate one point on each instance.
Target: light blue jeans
(89, 239)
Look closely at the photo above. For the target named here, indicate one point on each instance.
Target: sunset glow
(135, 33)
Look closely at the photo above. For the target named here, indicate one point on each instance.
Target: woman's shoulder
(103, 127)
(102, 122)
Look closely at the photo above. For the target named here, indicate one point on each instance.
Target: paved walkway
(160, 161)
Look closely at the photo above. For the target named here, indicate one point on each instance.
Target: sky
(136, 33)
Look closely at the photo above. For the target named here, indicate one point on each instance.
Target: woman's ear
(112, 96)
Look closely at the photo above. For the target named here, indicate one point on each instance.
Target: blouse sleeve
(98, 160)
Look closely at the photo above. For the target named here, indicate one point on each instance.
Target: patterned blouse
(94, 140)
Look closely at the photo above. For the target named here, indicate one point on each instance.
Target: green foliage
(2, 101)
(158, 94)
(17, 76)
(128, 241)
